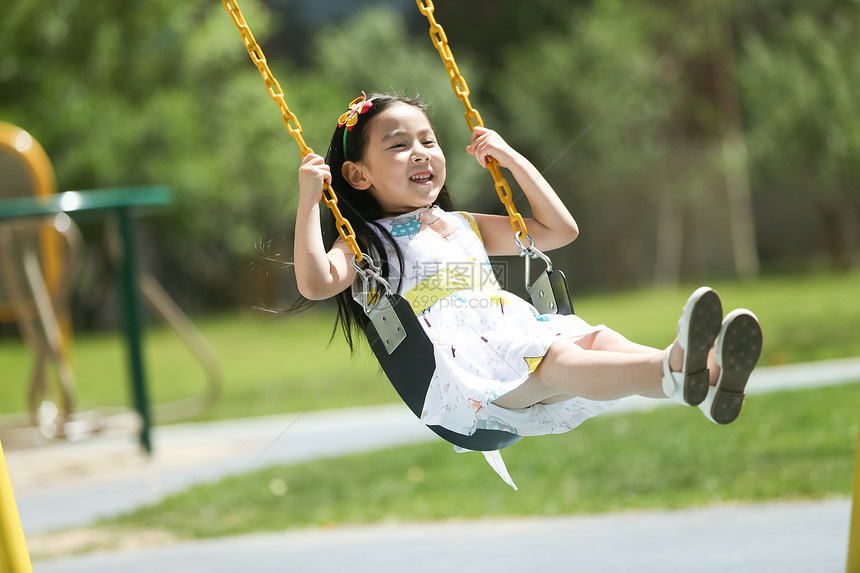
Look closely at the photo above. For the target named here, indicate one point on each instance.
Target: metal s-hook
(549, 293)
(377, 306)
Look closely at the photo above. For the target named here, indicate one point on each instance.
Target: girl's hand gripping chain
(313, 175)
(551, 225)
(487, 143)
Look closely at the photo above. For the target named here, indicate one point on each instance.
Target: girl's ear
(355, 175)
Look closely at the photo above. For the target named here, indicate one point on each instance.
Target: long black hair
(361, 209)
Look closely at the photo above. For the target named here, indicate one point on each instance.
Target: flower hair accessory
(350, 117)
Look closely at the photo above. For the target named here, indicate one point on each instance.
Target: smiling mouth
(421, 178)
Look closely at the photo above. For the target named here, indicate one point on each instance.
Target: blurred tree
(490, 27)
(662, 172)
(733, 148)
(636, 110)
(799, 79)
(153, 92)
(596, 103)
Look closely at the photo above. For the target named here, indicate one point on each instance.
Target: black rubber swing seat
(410, 368)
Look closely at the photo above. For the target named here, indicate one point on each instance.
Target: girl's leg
(570, 370)
(610, 340)
(601, 366)
(607, 366)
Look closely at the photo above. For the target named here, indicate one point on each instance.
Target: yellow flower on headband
(358, 106)
(350, 117)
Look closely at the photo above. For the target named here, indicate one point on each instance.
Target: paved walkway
(69, 484)
(769, 538)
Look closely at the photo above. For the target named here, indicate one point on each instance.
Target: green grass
(277, 365)
(787, 445)
(804, 317)
(269, 365)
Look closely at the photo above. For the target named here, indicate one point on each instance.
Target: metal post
(14, 557)
(854, 536)
(133, 325)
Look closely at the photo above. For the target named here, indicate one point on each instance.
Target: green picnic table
(121, 202)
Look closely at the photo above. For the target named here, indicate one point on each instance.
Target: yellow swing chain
(473, 118)
(344, 229)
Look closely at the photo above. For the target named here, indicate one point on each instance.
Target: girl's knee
(609, 336)
(609, 339)
(604, 339)
(542, 384)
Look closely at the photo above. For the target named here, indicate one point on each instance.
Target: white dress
(487, 340)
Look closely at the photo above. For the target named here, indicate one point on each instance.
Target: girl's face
(403, 166)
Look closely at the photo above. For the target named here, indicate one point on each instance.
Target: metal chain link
(473, 118)
(344, 229)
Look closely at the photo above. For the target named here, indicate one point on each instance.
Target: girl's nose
(419, 154)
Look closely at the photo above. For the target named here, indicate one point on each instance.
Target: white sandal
(697, 329)
(738, 349)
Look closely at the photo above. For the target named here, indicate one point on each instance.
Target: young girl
(499, 363)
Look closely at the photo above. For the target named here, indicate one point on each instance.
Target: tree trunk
(734, 152)
(670, 233)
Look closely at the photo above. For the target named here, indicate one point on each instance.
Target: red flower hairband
(350, 117)
(358, 106)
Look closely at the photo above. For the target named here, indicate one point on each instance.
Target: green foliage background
(617, 101)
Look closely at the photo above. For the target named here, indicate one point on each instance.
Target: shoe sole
(706, 317)
(738, 351)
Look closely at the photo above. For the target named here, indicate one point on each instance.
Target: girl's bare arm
(551, 225)
(320, 274)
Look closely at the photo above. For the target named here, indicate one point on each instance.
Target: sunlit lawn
(274, 365)
(787, 445)
(268, 365)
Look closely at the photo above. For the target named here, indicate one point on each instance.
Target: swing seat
(410, 364)
(550, 293)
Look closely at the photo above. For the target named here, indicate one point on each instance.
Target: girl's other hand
(487, 143)
(313, 175)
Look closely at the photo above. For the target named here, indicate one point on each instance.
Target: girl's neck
(400, 213)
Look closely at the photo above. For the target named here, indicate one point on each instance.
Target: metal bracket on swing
(377, 306)
(549, 293)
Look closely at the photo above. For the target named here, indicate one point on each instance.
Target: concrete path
(69, 484)
(769, 538)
